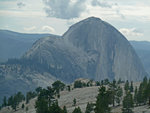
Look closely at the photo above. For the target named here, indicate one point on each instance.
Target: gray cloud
(104, 4)
(100, 3)
(21, 4)
(64, 9)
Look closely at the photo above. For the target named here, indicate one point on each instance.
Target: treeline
(111, 94)
(16, 99)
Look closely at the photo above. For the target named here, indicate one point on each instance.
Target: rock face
(90, 48)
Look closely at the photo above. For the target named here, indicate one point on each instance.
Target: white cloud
(130, 32)
(64, 9)
(29, 28)
(100, 3)
(48, 29)
(21, 4)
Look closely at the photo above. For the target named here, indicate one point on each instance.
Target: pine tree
(113, 90)
(103, 101)
(54, 108)
(128, 103)
(126, 87)
(136, 96)
(131, 87)
(77, 110)
(64, 109)
(74, 102)
(119, 94)
(22, 106)
(89, 108)
(4, 101)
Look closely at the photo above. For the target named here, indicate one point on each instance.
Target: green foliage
(113, 90)
(69, 88)
(58, 85)
(54, 108)
(142, 92)
(103, 101)
(27, 108)
(89, 108)
(120, 81)
(128, 103)
(126, 87)
(79, 84)
(74, 102)
(136, 96)
(64, 109)
(22, 106)
(14, 101)
(38, 90)
(131, 87)
(41, 106)
(119, 94)
(98, 83)
(106, 81)
(4, 101)
(30, 95)
(77, 110)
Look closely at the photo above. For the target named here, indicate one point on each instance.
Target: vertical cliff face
(90, 48)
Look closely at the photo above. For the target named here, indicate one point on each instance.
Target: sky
(130, 17)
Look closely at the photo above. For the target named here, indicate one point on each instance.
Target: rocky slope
(82, 96)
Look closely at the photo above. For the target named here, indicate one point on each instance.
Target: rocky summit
(91, 48)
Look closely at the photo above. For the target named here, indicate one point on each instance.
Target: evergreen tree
(58, 85)
(126, 87)
(128, 103)
(4, 101)
(10, 100)
(148, 92)
(54, 108)
(119, 94)
(69, 88)
(89, 108)
(113, 90)
(78, 84)
(136, 96)
(77, 110)
(131, 87)
(103, 101)
(22, 106)
(74, 102)
(41, 106)
(64, 109)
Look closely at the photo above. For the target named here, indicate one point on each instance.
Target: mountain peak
(92, 18)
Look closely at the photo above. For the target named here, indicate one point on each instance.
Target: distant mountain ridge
(142, 48)
(14, 45)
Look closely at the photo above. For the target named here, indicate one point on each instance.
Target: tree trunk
(149, 101)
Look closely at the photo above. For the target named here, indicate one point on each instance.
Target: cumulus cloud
(48, 29)
(30, 28)
(130, 32)
(100, 3)
(64, 9)
(21, 4)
